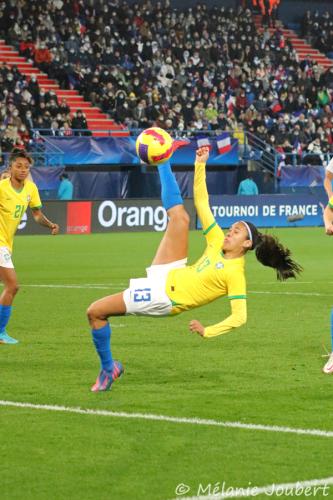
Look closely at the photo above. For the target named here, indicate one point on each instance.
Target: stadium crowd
(318, 29)
(149, 64)
(25, 106)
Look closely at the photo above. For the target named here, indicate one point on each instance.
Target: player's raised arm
(213, 233)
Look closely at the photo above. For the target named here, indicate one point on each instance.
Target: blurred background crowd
(150, 64)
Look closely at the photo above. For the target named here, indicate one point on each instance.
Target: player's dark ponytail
(270, 252)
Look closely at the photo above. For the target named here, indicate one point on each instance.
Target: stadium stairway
(303, 49)
(99, 123)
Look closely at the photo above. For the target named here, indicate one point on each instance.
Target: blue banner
(269, 210)
(92, 185)
(46, 178)
(121, 151)
(309, 176)
(95, 150)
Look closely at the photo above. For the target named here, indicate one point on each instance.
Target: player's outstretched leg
(98, 312)
(328, 368)
(9, 279)
(174, 243)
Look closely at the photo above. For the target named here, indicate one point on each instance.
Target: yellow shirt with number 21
(13, 204)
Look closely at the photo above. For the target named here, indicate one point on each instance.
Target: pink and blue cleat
(105, 378)
(6, 339)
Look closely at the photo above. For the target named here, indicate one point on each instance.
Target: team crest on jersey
(28, 198)
(219, 265)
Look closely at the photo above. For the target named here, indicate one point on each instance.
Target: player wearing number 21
(17, 193)
(172, 286)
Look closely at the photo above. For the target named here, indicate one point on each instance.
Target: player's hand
(196, 327)
(202, 154)
(54, 229)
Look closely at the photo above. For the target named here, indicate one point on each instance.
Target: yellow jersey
(13, 204)
(212, 276)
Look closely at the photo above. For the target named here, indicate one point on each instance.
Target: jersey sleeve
(35, 201)
(237, 318)
(211, 230)
(330, 202)
(236, 285)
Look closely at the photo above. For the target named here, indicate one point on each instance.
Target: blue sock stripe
(101, 338)
(5, 312)
(170, 192)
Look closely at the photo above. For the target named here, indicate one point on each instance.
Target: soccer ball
(154, 146)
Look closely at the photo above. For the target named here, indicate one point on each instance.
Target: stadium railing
(305, 158)
(45, 132)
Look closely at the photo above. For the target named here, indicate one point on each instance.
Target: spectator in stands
(54, 130)
(43, 56)
(248, 186)
(66, 130)
(66, 188)
(79, 123)
(315, 154)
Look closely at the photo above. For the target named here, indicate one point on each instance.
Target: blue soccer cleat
(105, 379)
(6, 339)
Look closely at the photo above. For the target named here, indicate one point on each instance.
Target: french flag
(297, 147)
(223, 143)
(203, 142)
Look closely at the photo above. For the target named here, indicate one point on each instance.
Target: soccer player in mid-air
(16, 194)
(172, 287)
(328, 221)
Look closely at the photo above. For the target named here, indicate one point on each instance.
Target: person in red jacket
(43, 57)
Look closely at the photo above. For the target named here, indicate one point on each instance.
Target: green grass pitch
(268, 372)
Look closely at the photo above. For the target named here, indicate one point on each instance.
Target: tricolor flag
(282, 163)
(297, 148)
(230, 102)
(203, 142)
(223, 143)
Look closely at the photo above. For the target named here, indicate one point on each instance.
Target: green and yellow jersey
(212, 276)
(13, 204)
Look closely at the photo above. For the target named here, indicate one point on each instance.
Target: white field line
(285, 283)
(289, 489)
(166, 418)
(120, 286)
(97, 287)
(302, 294)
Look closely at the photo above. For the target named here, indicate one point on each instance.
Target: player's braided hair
(270, 252)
